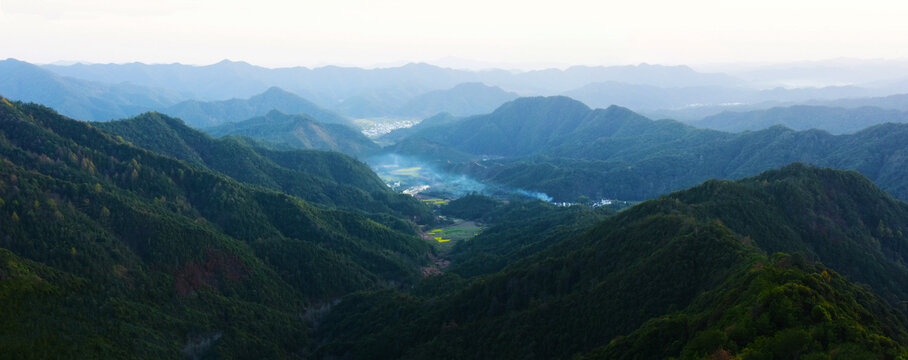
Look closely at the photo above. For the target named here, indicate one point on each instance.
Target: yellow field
(435, 201)
(413, 171)
(463, 230)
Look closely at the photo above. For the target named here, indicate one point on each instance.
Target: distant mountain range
(364, 90)
(655, 98)
(461, 100)
(803, 117)
(106, 91)
(299, 132)
(228, 79)
(78, 98)
(896, 102)
(202, 114)
(563, 148)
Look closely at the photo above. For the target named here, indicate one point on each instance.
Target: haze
(515, 34)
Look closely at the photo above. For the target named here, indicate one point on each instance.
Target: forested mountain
(201, 114)
(79, 98)
(684, 276)
(519, 228)
(563, 148)
(439, 119)
(112, 251)
(147, 238)
(299, 132)
(802, 117)
(461, 100)
(321, 177)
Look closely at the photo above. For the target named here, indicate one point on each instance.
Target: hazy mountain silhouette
(202, 114)
(80, 99)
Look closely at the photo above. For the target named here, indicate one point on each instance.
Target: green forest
(563, 148)
(145, 238)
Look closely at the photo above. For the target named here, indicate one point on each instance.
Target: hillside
(436, 120)
(327, 178)
(79, 98)
(563, 148)
(462, 100)
(693, 268)
(299, 132)
(112, 251)
(520, 127)
(201, 114)
(833, 120)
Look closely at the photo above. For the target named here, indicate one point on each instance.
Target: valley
(490, 180)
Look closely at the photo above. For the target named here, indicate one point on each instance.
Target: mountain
(557, 81)
(327, 178)
(895, 102)
(661, 98)
(461, 100)
(361, 89)
(299, 132)
(802, 117)
(878, 72)
(79, 98)
(429, 122)
(517, 230)
(112, 251)
(380, 102)
(521, 127)
(682, 276)
(223, 80)
(818, 97)
(563, 148)
(201, 114)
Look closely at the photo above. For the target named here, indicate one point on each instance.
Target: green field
(435, 201)
(445, 237)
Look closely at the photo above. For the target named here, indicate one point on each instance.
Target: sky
(519, 34)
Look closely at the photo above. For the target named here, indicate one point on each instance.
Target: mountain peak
(547, 102)
(275, 114)
(232, 64)
(275, 91)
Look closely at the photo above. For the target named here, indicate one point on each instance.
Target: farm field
(446, 236)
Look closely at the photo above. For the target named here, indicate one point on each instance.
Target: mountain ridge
(617, 153)
(125, 235)
(204, 114)
(79, 98)
(803, 117)
(299, 131)
(690, 276)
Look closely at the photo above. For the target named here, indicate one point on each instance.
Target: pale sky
(524, 33)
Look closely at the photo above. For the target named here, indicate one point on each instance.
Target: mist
(414, 176)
